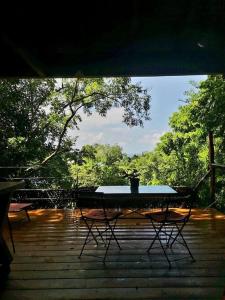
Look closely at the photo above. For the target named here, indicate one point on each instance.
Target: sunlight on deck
(197, 214)
(46, 264)
(209, 214)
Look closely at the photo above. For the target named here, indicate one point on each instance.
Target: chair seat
(99, 215)
(162, 216)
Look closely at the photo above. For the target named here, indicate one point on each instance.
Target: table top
(143, 189)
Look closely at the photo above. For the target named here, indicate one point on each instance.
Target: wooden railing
(49, 198)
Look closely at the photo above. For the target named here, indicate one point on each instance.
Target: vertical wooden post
(212, 169)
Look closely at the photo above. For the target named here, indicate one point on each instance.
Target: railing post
(211, 167)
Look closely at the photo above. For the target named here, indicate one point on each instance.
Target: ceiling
(112, 38)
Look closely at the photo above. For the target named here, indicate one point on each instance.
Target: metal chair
(169, 224)
(99, 220)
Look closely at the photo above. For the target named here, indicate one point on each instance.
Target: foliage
(181, 156)
(24, 126)
(100, 166)
(35, 115)
(131, 174)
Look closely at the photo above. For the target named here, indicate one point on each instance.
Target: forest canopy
(35, 116)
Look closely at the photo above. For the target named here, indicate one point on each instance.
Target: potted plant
(133, 176)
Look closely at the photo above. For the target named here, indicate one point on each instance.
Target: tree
(181, 156)
(100, 166)
(99, 95)
(35, 114)
(25, 128)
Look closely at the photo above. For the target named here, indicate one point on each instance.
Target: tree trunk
(212, 168)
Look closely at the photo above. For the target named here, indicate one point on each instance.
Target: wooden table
(6, 189)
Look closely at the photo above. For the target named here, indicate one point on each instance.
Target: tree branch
(113, 97)
(60, 89)
(90, 95)
(62, 134)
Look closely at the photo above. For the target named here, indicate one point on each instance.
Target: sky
(166, 93)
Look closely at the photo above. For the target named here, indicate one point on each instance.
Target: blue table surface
(143, 189)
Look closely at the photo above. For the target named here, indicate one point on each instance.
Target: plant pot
(134, 183)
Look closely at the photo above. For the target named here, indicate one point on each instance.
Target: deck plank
(46, 263)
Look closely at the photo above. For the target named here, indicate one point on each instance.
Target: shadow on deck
(46, 263)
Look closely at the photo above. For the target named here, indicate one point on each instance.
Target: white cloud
(110, 130)
(90, 138)
(122, 144)
(113, 117)
(150, 139)
(134, 140)
(98, 138)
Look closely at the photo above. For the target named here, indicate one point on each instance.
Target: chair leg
(107, 248)
(108, 227)
(11, 235)
(170, 237)
(111, 228)
(91, 232)
(167, 258)
(114, 236)
(156, 236)
(100, 234)
(158, 231)
(86, 239)
(179, 233)
(28, 217)
(186, 245)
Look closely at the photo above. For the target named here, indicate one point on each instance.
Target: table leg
(5, 255)
(5, 259)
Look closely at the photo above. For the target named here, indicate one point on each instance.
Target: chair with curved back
(168, 224)
(99, 220)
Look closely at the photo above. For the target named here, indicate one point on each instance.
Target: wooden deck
(46, 264)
